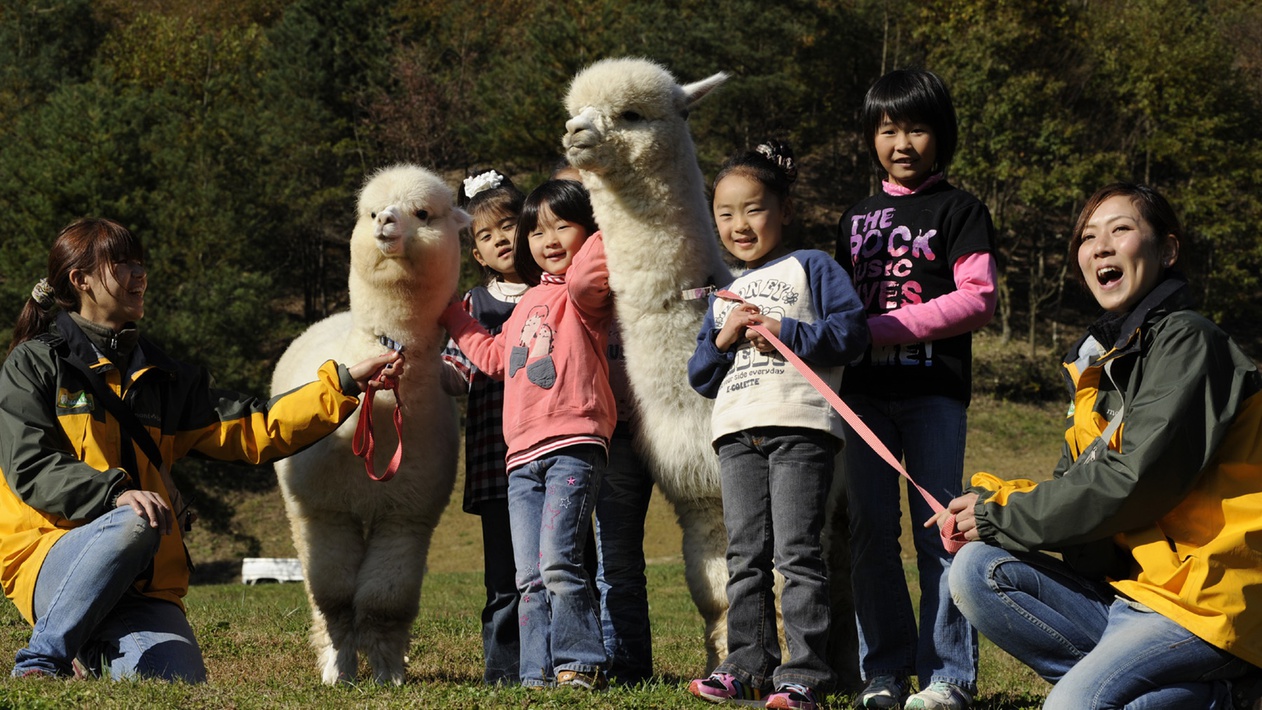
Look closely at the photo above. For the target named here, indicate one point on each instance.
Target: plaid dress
(485, 476)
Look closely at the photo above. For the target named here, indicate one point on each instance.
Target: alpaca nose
(387, 223)
(578, 132)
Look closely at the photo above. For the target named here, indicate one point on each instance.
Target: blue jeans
(1100, 650)
(501, 648)
(775, 485)
(85, 607)
(927, 433)
(621, 505)
(550, 506)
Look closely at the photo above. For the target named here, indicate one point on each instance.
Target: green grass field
(254, 638)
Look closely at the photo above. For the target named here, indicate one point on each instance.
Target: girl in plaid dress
(494, 203)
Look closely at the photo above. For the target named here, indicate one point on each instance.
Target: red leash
(952, 539)
(364, 445)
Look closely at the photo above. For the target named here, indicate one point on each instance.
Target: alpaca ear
(697, 90)
(461, 218)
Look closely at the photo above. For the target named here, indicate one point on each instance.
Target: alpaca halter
(952, 539)
(364, 444)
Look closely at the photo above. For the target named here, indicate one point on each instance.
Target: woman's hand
(364, 370)
(962, 508)
(152, 507)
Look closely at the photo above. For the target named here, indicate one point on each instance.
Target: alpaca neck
(657, 229)
(392, 310)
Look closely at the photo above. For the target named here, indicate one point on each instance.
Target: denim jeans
(621, 505)
(1101, 651)
(501, 648)
(550, 507)
(85, 607)
(927, 433)
(775, 485)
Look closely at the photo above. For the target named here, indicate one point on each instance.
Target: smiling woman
(92, 415)
(1153, 506)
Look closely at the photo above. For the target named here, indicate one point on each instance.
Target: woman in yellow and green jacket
(92, 415)
(1155, 507)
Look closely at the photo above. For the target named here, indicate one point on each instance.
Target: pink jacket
(551, 354)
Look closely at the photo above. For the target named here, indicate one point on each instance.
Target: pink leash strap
(364, 444)
(952, 540)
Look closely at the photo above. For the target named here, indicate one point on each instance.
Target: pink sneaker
(793, 697)
(725, 688)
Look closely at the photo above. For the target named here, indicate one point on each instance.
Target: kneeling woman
(1155, 506)
(91, 416)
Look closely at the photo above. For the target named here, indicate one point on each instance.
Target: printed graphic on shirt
(772, 296)
(533, 350)
(890, 260)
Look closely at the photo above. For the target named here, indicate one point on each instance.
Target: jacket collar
(147, 354)
(1166, 297)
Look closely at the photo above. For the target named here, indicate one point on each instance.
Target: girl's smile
(493, 245)
(555, 241)
(907, 150)
(750, 219)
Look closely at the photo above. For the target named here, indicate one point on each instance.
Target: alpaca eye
(422, 215)
(631, 116)
(374, 215)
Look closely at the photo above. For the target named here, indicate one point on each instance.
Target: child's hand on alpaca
(734, 328)
(760, 343)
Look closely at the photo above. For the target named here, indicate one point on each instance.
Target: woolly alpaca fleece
(363, 544)
(628, 136)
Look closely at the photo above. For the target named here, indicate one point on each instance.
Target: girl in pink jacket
(559, 414)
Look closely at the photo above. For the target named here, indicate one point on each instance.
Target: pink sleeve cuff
(969, 307)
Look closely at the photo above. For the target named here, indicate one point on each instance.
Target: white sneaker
(940, 695)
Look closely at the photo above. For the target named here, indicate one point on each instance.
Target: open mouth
(504, 252)
(1107, 275)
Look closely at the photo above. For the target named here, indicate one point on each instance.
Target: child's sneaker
(883, 691)
(725, 688)
(583, 681)
(940, 695)
(792, 696)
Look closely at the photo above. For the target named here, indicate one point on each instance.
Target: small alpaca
(363, 544)
(628, 136)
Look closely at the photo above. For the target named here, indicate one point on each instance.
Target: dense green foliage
(233, 134)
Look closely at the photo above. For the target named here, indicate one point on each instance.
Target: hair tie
(479, 183)
(42, 294)
(775, 153)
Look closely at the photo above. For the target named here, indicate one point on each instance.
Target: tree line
(232, 135)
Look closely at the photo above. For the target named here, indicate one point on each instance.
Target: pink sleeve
(483, 350)
(588, 279)
(969, 307)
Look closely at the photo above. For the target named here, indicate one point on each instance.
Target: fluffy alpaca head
(629, 112)
(407, 229)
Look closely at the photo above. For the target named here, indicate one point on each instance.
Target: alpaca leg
(705, 567)
(329, 575)
(843, 639)
(389, 593)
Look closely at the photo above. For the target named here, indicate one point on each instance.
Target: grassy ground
(254, 638)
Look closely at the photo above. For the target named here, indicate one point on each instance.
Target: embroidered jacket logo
(73, 400)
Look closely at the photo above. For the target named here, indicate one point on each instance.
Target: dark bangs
(912, 96)
(565, 199)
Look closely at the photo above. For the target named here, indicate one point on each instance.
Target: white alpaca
(628, 136)
(363, 543)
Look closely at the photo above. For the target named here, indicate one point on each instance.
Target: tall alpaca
(363, 544)
(628, 136)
